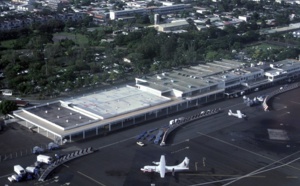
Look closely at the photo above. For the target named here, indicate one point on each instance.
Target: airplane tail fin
(185, 163)
(229, 112)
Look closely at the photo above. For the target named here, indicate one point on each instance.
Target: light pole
(45, 59)
(46, 66)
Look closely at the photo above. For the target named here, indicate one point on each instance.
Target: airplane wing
(239, 114)
(162, 172)
(162, 166)
(155, 163)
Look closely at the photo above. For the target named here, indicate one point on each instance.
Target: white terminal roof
(116, 102)
(193, 77)
(282, 67)
(60, 115)
(89, 110)
(288, 64)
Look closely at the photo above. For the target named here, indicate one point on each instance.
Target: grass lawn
(8, 44)
(266, 46)
(77, 38)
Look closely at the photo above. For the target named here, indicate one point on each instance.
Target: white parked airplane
(161, 167)
(238, 114)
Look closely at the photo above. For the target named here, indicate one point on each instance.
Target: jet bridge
(174, 124)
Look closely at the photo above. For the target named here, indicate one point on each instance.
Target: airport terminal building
(152, 96)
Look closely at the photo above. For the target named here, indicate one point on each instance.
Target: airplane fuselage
(149, 168)
(161, 168)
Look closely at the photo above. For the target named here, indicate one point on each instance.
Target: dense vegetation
(50, 59)
(7, 106)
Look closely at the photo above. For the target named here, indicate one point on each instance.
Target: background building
(153, 10)
(173, 26)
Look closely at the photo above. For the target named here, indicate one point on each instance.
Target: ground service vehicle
(44, 159)
(37, 150)
(19, 170)
(140, 143)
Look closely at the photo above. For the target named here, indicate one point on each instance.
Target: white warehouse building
(114, 15)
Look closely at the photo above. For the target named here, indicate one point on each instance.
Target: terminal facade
(153, 96)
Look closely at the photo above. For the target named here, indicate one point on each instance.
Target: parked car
(37, 150)
(52, 146)
(140, 143)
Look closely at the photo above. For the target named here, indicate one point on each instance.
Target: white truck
(44, 159)
(20, 173)
(19, 170)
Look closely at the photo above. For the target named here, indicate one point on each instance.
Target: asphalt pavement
(223, 150)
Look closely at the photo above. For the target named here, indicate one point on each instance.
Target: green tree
(168, 47)
(142, 19)
(243, 27)
(211, 56)
(7, 106)
(282, 19)
(230, 29)
(137, 62)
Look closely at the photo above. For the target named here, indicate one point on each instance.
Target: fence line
(21, 153)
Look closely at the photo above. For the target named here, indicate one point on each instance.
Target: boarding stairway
(63, 160)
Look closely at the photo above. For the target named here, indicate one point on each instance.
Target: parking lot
(17, 140)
